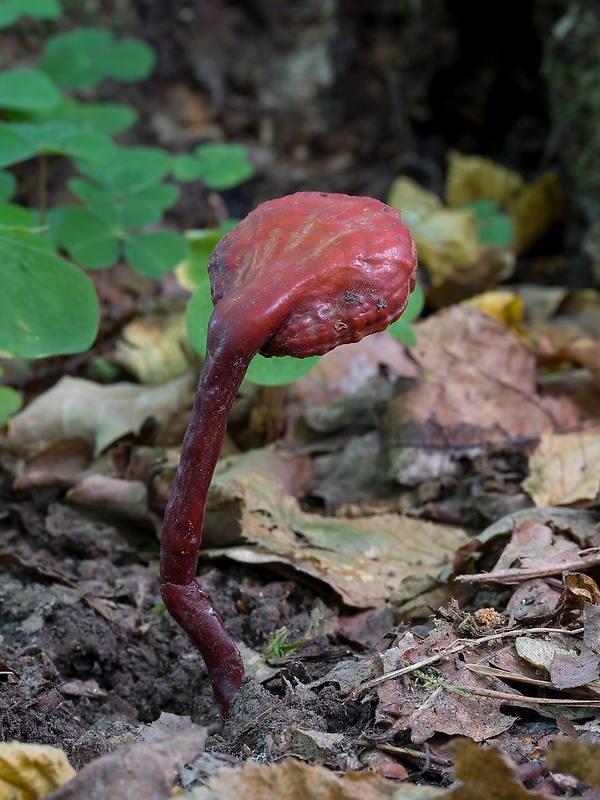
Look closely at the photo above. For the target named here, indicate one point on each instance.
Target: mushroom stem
(222, 373)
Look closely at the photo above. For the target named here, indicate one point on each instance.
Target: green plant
(118, 195)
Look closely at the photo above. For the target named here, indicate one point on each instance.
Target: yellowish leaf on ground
(155, 348)
(564, 469)
(31, 771)
(507, 307)
(476, 178)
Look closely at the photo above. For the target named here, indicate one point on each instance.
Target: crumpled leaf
(564, 469)
(145, 770)
(31, 771)
(293, 780)
(505, 306)
(101, 415)
(366, 560)
(446, 239)
(477, 385)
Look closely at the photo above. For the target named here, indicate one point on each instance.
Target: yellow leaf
(506, 307)
(31, 771)
(476, 178)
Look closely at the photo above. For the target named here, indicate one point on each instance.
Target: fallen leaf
(477, 386)
(155, 348)
(564, 469)
(367, 561)
(486, 772)
(31, 771)
(294, 780)
(145, 770)
(577, 758)
(101, 415)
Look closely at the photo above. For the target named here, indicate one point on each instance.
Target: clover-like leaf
(11, 10)
(85, 57)
(35, 278)
(220, 166)
(130, 170)
(27, 90)
(155, 253)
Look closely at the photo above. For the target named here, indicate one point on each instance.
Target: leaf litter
(444, 543)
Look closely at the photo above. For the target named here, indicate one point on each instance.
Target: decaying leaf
(486, 772)
(101, 415)
(477, 386)
(581, 759)
(31, 771)
(365, 560)
(294, 780)
(564, 469)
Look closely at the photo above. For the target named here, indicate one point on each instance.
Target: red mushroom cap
(318, 269)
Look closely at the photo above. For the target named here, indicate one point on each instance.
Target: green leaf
(415, 306)
(187, 167)
(401, 328)
(10, 402)
(21, 141)
(100, 202)
(202, 242)
(164, 195)
(154, 254)
(135, 213)
(8, 184)
(223, 166)
(492, 225)
(88, 239)
(35, 280)
(11, 10)
(402, 331)
(27, 90)
(12, 215)
(13, 147)
(279, 371)
(85, 57)
(262, 371)
(130, 170)
(109, 119)
(131, 60)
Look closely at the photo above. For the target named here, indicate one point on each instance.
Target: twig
(457, 647)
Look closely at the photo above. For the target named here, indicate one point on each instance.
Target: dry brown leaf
(294, 780)
(366, 560)
(31, 771)
(134, 772)
(477, 385)
(564, 469)
(486, 772)
(101, 415)
(114, 495)
(577, 758)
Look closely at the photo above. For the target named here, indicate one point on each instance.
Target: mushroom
(298, 276)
